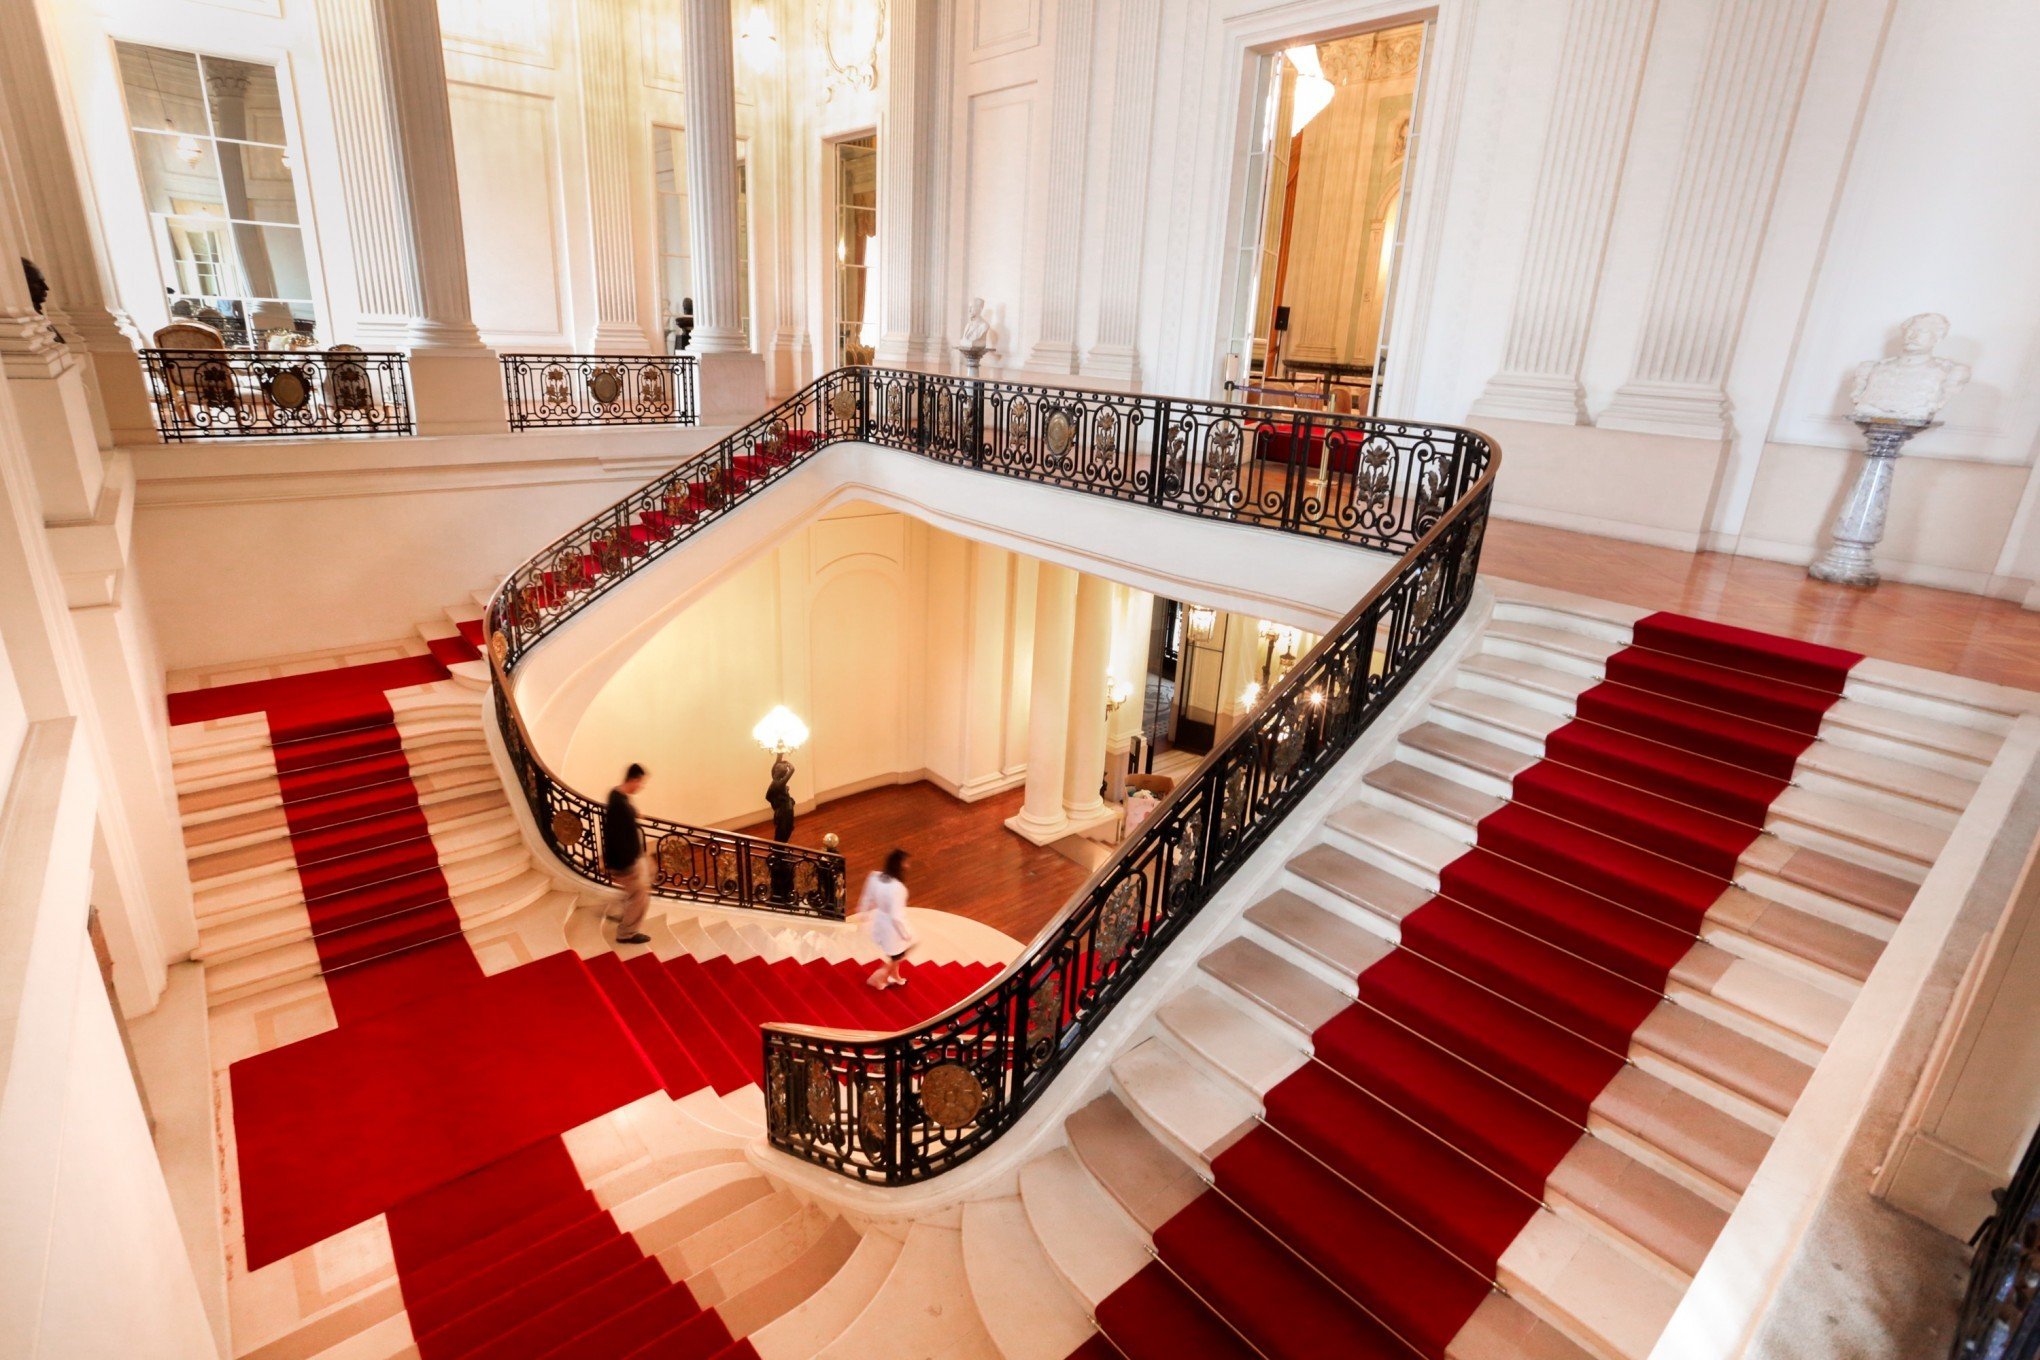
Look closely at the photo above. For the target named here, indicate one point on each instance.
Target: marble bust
(977, 332)
(1912, 387)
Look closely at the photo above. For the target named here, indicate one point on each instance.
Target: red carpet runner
(440, 1097)
(1403, 1161)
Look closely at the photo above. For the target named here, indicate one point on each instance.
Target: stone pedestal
(1860, 525)
(732, 387)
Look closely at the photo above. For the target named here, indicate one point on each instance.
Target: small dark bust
(38, 288)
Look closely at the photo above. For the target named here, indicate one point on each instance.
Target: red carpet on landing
(1366, 1213)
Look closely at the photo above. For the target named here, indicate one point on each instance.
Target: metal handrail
(902, 1107)
(557, 391)
(270, 394)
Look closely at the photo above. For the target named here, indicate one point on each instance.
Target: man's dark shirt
(621, 843)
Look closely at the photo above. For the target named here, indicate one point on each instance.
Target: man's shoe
(633, 939)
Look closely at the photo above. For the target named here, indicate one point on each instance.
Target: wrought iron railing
(267, 394)
(550, 391)
(891, 1109)
(2000, 1317)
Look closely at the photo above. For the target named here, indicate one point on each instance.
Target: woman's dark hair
(896, 865)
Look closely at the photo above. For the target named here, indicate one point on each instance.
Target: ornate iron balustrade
(550, 391)
(1999, 1318)
(898, 1108)
(266, 394)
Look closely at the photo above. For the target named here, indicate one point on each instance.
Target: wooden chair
(191, 378)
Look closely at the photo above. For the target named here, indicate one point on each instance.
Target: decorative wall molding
(519, 31)
(848, 36)
(999, 28)
(1116, 353)
(1753, 71)
(1578, 178)
(1069, 119)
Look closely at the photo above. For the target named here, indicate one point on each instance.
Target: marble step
(266, 821)
(1342, 893)
(1024, 1305)
(802, 1331)
(479, 838)
(1086, 1237)
(923, 1308)
(261, 792)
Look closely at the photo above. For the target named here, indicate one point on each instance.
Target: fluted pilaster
(1116, 353)
(908, 154)
(610, 132)
(1579, 175)
(784, 144)
(61, 231)
(1728, 172)
(415, 66)
(1069, 116)
(711, 112)
(371, 174)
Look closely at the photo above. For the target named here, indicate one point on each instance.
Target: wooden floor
(1941, 630)
(965, 860)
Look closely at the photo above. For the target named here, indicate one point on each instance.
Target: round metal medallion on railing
(1060, 433)
(951, 1095)
(843, 404)
(606, 386)
(567, 828)
(1117, 920)
(499, 646)
(287, 388)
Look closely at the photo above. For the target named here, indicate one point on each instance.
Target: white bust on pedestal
(976, 341)
(1892, 399)
(1912, 388)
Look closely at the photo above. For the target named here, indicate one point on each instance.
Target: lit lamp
(1117, 692)
(1313, 91)
(1199, 622)
(1251, 695)
(757, 41)
(780, 732)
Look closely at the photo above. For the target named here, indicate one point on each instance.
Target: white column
(62, 232)
(1090, 659)
(1041, 818)
(371, 175)
(48, 382)
(613, 136)
(908, 157)
(1728, 172)
(1132, 622)
(1116, 352)
(1055, 341)
(711, 112)
(989, 625)
(1577, 179)
(456, 383)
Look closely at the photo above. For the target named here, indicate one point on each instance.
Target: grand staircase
(1487, 1067)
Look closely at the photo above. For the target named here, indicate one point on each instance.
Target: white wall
(862, 621)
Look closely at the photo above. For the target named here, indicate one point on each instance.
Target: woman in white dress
(884, 904)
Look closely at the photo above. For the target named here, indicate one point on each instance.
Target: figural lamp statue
(1893, 400)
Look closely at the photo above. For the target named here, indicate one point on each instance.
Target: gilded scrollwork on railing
(272, 394)
(554, 391)
(890, 1109)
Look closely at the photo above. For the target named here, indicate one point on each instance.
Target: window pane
(273, 261)
(257, 181)
(162, 89)
(201, 257)
(666, 164)
(245, 101)
(179, 174)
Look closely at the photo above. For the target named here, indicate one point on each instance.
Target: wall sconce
(1199, 621)
(1117, 692)
(757, 40)
(1251, 695)
(780, 731)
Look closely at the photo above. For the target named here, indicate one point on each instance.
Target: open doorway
(1323, 227)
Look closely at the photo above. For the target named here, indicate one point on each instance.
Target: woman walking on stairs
(884, 903)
